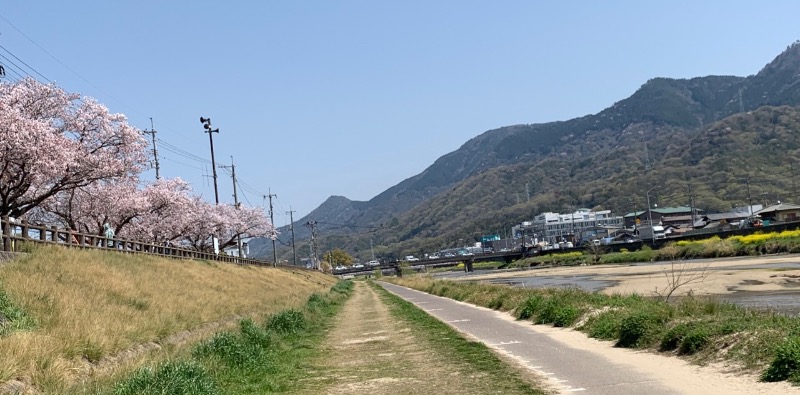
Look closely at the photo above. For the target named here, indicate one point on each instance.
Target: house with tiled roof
(781, 212)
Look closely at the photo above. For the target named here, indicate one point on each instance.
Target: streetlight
(207, 126)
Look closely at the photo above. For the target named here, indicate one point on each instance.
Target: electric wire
(23, 62)
(12, 69)
(61, 63)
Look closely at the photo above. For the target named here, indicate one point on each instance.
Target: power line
(23, 62)
(179, 151)
(181, 163)
(9, 62)
(59, 62)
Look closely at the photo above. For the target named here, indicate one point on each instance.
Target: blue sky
(320, 98)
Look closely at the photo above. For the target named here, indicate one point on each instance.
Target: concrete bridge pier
(468, 265)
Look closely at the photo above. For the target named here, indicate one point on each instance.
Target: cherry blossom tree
(226, 223)
(52, 141)
(117, 202)
(166, 219)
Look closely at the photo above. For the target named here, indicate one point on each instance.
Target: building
(576, 227)
(674, 216)
(782, 212)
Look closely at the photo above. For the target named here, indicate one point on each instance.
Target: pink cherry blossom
(53, 141)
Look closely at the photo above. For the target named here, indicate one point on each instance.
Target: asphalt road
(570, 369)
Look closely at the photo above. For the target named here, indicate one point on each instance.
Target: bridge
(394, 267)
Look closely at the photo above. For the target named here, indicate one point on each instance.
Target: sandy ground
(719, 276)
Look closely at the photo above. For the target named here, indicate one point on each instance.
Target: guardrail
(16, 232)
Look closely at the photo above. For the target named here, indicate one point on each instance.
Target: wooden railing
(15, 233)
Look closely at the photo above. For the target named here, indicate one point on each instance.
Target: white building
(582, 224)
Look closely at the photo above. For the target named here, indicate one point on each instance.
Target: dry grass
(89, 305)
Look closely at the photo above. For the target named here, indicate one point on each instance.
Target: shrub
(566, 316)
(252, 333)
(672, 339)
(694, 341)
(228, 348)
(286, 322)
(530, 307)
(638, 328)
(176, 378)
(605, 326)
(316, 301)
(557, 310)
(497, 302)
(786, 364)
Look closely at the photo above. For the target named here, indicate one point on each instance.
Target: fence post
(25, 229)
(6, 233)
(42, 233)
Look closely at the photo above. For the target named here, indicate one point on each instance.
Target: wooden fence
(16, 233)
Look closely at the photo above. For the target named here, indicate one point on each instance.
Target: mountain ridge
(679, 107)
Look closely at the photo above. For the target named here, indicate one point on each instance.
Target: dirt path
(371, 352)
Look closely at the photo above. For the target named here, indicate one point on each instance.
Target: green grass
(12, 318)
(270, 357)
(703, 330)
(468, 357)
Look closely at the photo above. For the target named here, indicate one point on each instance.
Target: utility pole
(313, 226)
(207, 126)
(152, 132)
(749, 196)
(272, 220)
(527, 193)
(291, 227)
(691, 204)
(791, 176)
(235, 203)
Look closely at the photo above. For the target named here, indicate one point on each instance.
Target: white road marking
(458, 321)
(506, 343)
(575, 389)
(433, 309)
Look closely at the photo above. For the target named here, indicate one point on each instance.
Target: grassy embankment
(713, 247)
(257, 358)
(81, 318)
(700, 330)
(468, 357)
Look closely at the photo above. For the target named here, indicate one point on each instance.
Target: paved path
(575, 366)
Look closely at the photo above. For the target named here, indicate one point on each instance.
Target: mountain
(660, 134)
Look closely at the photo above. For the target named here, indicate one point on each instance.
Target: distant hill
(667, 133)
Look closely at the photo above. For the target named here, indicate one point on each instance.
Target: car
(373, 263)
(449, 255)
(358, 266)
(433, 256)
(411, 258)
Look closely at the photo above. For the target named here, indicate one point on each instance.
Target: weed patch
(12, 318)
(169, 378)
(786, 364)
(257, 358)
